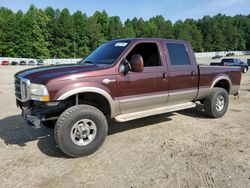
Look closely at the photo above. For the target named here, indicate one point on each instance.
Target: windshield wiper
(89, 62)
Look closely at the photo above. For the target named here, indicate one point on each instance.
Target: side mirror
(137, 64)
(124, 67)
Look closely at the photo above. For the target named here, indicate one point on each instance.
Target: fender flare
(219, 78)
(114, 106)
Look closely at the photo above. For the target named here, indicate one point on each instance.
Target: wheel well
(223, 84)
(93, 99)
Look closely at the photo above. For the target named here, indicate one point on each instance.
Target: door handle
(192, 73)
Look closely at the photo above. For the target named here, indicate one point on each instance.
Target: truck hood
(42, 75)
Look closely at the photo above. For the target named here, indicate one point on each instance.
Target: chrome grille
(18, 89)
(21, 89)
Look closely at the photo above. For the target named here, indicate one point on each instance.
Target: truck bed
(209, 74)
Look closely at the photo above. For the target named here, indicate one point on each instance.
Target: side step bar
(155, 111)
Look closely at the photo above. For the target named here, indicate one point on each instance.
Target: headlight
(39, 92)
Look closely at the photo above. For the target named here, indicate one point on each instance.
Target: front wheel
(216, 103)
(80, 130)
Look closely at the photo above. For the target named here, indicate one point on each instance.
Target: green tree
(139, 27)
(81, 48)
(52, 16)
(94, 33)
(53, 33)
(7, 32)
(115, 28)
(128, 30)
(150, 30)
(64, 38)
(24, 43)
(188, 30)
(164, 28)
(40, 34)
(213, 37)
(30, 34)
(103, 20)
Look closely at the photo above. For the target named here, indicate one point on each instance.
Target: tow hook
(237, 95)
(35, 121)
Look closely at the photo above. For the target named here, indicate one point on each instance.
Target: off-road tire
(67, 120)
(210, 103)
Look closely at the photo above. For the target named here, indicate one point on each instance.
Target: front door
(144, 90)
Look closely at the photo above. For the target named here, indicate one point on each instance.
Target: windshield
(106, 54)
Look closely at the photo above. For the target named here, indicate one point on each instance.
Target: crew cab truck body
(123, 79)
(235, 62)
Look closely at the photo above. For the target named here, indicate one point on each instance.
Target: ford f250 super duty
(124, 80)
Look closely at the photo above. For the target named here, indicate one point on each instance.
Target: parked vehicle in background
(56, 63)
(14, 63)
(235, 62)
(5, 63)
(22, 63)
(217, 57)
(124, 79)
(230, 54)
(40, 62)
(31, 63)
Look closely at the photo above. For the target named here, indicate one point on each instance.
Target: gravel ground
(181, 149)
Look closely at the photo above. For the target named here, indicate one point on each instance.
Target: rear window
(178, 54)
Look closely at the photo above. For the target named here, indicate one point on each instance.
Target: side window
(178, 54)
(149, 53)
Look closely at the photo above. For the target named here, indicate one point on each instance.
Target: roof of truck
(150, 39)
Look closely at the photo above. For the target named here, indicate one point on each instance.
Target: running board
(155, 111)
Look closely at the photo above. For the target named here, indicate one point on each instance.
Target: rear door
(183, 72)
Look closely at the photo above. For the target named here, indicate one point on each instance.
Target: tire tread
(209, 102)
(62, 122)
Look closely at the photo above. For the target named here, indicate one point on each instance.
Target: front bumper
(36, 113)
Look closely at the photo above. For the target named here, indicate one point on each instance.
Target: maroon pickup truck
(123, 79)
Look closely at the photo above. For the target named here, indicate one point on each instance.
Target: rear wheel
(216, 104)
(80, 130)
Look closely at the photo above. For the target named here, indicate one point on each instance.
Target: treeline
(57, 33)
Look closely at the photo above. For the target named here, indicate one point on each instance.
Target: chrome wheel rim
(220, 101)
(83, 132)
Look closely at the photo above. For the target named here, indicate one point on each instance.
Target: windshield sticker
(121, 44)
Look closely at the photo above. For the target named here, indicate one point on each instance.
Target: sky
(170, 9)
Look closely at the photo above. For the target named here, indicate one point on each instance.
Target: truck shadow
(117, 127)
(196, 113)
(14, 131)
